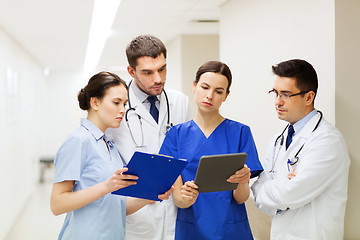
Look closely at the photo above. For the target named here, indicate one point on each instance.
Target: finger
(239, 180)
(129, 177)
(191, 184)
(189, 193)
(121, 170)
(187, 197)
(243, 171)
(238, 176)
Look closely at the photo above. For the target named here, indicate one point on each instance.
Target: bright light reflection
(100, 29)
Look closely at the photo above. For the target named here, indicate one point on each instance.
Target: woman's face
(110, 110)
(210, 91)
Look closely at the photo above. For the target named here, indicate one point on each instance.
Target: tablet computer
(214, 170)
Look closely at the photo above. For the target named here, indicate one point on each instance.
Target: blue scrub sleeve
(70, 160)
(170, 146)
(247, 144)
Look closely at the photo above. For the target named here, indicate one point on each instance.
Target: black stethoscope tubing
(167, 127)
(133, 109)
(281, 137)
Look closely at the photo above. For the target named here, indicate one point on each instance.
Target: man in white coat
(304, 183)
(151, 111)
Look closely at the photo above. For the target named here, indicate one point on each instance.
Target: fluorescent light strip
(101, 23)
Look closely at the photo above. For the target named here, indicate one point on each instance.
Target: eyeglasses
(285, 96)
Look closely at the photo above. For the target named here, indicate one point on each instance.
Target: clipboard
(214, 170)
(157, 173)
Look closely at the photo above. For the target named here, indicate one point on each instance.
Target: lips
(207, 104)
(280, 110)
(157, 87)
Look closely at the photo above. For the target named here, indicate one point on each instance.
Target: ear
(194, 87)
(94, 103)
(309, 98)
(131, 71)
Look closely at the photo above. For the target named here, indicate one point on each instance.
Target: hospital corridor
(49, 50)
(36, 220)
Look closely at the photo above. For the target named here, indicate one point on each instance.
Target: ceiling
(55, 33)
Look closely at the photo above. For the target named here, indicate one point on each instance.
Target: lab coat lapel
(163, 110)
(305, 133)
(140, 109)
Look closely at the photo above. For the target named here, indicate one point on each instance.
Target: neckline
(225, 119)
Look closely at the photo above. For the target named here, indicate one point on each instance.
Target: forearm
(63, 202)
(241, 193)
(134, 204)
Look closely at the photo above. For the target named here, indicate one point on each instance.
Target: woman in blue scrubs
(88, 167)
(214, 215)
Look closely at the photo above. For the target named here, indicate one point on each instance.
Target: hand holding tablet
(214, 170)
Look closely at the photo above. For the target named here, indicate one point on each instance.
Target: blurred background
(49, 50)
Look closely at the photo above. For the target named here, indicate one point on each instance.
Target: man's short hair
(144, 45)
(302, 71)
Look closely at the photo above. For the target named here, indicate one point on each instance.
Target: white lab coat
(313, 202)
(154, 221)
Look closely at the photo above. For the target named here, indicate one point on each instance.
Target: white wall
(21, 97)
(62, 109)
(186, 53)
(174, 66)
(254, 35)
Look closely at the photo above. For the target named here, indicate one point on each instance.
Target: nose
(157, 78)
(122, 109)
(278, 100)
(209, 94)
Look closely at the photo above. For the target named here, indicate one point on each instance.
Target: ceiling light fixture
(102, 20)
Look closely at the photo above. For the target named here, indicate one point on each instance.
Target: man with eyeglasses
(304, 183)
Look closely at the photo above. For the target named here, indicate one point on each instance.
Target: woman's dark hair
(97, 86)
(215, 67)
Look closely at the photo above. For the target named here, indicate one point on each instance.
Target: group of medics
(302, 183)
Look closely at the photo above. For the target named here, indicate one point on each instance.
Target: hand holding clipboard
(157, 173)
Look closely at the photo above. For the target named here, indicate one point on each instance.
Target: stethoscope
(295, 159)
(166, 129)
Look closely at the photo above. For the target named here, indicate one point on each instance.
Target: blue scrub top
(214, 215)
(85, 159)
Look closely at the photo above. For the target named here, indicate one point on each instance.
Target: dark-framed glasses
(285, 95)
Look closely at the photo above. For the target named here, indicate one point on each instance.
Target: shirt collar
(299, 125)
(94, 130)
(140, 95)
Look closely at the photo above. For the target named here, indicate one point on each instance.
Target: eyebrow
(282, 91)
(117, 98)
(219, 88)
(148, 70)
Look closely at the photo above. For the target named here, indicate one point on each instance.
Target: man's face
(293, 108)
(150, 74)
